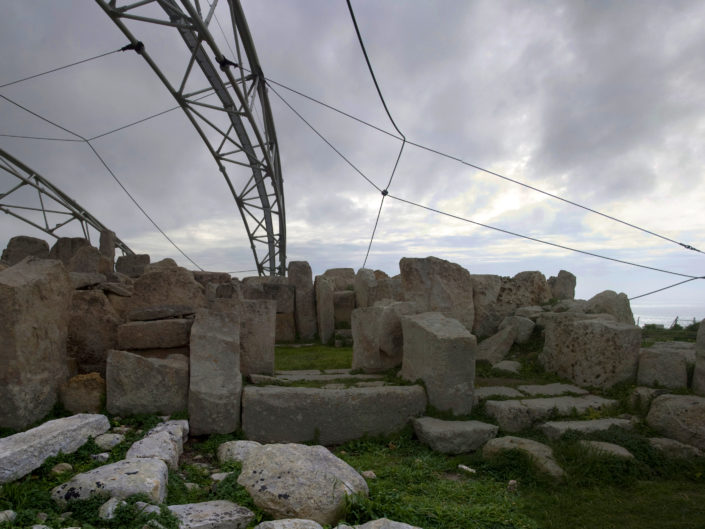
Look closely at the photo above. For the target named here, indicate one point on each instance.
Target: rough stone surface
(7, 516)
(591, 352)
(89, 260)
(23, 246)
(563, 285)
(343, 305)
(162, 285)
(342, 278)
(610, 302)
(384, 523)
(508, 366)
(24, 452)
(305, 315)
(107, 441)
(365, 325)
(146, 385)
(684, 349)
(556, 429)
(35, 298)
(365, 287)
(436, 285)
(325, 310)
(236, 450)
(92, 330)
(106, 245)
(285, 330)
(66, 247)
(165, 441)
(333, 416)
(157, 334)
(216, 382)
(608, 449)
(391, 339)
(662, 369)
(524, 327)
(441, 352)
(298, 481)
(160, 312)
(552, 390)
(132, 265)
(290, 523)
(496, 347)
(453, 437)
(679, 417)
(699, 373)
(83, 393)
(541, 454)
(641, 397)
(486, 289)
(214, 514)
(484, 393)
(80, 280)
(300, 275)
(675, 449)
(517, 415)
(118, 480)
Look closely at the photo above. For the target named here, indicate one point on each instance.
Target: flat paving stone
(556, 429)
(551, 390)
(217, 514)
(453, 437)
(324, 377)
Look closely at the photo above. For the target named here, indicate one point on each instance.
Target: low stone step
(551, 390)
(311, 375)
(484, 393)
(331, 416)
(453, 437)
(517, 415)
(556, 429)
(212, 514)
(609, 449)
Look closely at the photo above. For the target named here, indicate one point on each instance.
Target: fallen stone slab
(556, 429)
(541, 454)
(679, 417)
(236, 450)
(453, 437)
(675, 449)
(516, 415)
(298, 481)
(24, 452)
(609, 449)
(163, 442)
(497, 346)
(551, 390)
(289, 523)
(160, 312)
(524, 327)
(216, 514)
(119, 480)
(294, 414)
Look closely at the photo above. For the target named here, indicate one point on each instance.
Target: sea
(667, 315)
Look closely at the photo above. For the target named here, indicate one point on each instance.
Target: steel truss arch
(235, 137)
(51, 202)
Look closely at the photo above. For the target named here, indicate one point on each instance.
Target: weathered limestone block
(540, 454)
(83, 393)
(591, 352)
(508, 366)
(23, 246)
(118, 480)
(563, 285)
(136, 384)
(556, 429)
(525, 288)
(485, 290)
(165, 441)
(24, 452)
(365, 286)
(35, 300)
(325, 310)
(285, 327)
(207, 278)
(436, 285)
(342, 278)
(298, 481)
(214, 514)
(453, 437)
(495, 348)
(389, 288)
(524, 327)
(699, 374)
(236, 450)
(391, 339)
(66, 247)
(289, 523)
(108, 441)
(156, 334)
(216, 382)
(610, 302)
(106, 245)
(606, 449)
(343, 305)
(166, 285)
(675, 449)
(92, 330)
(662, 369)
(132, 265)
(366, 334)
(679, 417)
(332, 416)
(89, 260)
(686, 350)
(300, 277)
(441, 352)
(161, 312)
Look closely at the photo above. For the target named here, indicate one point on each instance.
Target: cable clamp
(137, 46)
(384, 192)
(225, 63)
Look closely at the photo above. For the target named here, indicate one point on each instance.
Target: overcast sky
(600, 102)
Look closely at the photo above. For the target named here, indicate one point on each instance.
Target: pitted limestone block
(156, 334)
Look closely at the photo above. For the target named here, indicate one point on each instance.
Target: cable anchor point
(137, 46)
(225, 63)
(384, 192)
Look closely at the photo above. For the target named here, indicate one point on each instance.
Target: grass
(651, 334)
(312, 357)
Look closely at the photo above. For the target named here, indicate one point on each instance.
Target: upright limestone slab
(35, 300)
(699, 374)
(441, 352)
(325, 310)
(300, 276)
(24, 452)
(216, 382)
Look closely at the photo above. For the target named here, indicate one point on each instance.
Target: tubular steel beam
(235, 123)
(64, 208)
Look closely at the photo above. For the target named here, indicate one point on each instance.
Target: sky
(598, 102)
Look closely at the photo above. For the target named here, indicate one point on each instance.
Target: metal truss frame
(47, 193)
(238, 85)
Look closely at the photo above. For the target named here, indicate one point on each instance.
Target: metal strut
(237, 126)
(66, 209)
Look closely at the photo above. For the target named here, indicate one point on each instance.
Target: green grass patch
(651, 334)
(312, 357)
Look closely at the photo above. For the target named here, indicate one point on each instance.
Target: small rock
(147, 508)
(508, 366)
(289, 523)
(611, 449)
(212, 514)
(191, 486)
(369, 474)
(102, 457)
(61, 468)
(220, 476)
(7, 516)
(122, 430)
(467, 469)
(108, 440)
(42, 516)
(236, 450)
(107, 510)
(675, 449)
(513, 485)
